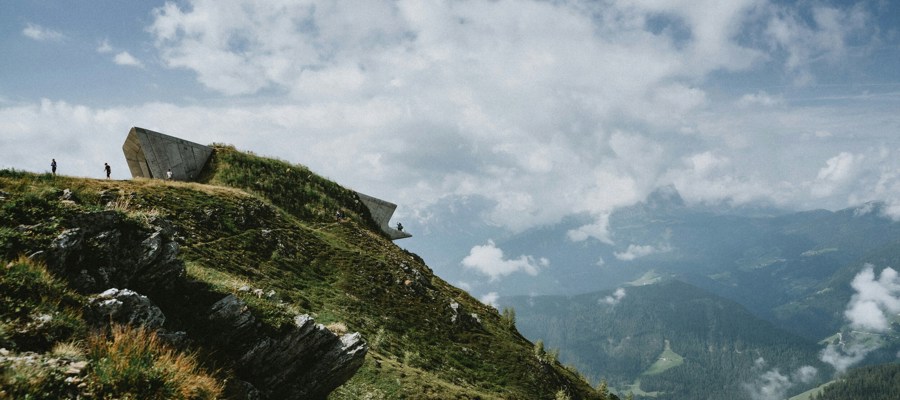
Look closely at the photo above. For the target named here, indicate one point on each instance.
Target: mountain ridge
(264, 232)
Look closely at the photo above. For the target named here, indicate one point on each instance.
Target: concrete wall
(381, 212)
(150, 154)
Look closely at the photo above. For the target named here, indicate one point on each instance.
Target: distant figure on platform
(400, 227)
(169, 175)
(53, 166)
(107, 169)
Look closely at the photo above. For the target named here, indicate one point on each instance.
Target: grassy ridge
(269, 226)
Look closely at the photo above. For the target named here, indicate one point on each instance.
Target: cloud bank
(543, 109)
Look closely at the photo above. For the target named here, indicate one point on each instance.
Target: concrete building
(381, 212)
(151, 154)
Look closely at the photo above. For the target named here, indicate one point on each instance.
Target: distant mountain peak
(870, 207)
(664, 197)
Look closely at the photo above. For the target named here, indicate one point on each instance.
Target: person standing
(53, 166)
(107, 169)
(169, 175)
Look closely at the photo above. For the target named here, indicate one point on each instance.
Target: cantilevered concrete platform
(151, 154)
(381, 212)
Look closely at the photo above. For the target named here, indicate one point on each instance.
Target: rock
(305, 361)
(237, 389)
(124, 307)
(75, 368)
(104, 249)
(67, 195)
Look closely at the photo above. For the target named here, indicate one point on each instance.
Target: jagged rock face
(306, 362)
(103, 250)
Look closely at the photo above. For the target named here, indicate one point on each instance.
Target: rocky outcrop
(124, 307)
(106, 249)
(307, 361)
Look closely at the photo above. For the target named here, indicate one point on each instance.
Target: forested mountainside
(232, 272)
(669, 340)
(879, 382)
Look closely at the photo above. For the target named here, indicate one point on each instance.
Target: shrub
(133, 363)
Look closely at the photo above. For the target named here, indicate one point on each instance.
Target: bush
(134, 362)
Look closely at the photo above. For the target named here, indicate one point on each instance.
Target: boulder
(105, 249)
(304, 361)
(124, 307)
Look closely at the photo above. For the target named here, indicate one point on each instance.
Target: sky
(514, 113)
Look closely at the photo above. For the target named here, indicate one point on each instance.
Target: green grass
(272, 227)
(36, 309)
(808, 395)
(40, 314)
(667, 360)
(635, 389)
(648, 278)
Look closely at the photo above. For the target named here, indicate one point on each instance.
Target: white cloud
(760, 98)
(598, 230)
(875, 299)
(125, 58)
(845, 355)
(41, 34)
(489, 260)
(544, 109)
(490, 299)
(104, 47)
(615, 298)
(825, 38)
(773, 385)
(635, 251)
(868, 312)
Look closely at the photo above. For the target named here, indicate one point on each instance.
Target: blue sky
(513, 113)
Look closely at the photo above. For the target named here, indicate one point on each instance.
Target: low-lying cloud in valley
(870, 313)
(773, 385)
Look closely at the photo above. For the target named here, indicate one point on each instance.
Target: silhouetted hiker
(169, 175)
(53, 166)
(400, 227)
(107, 169)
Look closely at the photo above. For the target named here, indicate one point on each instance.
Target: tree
(539, 349)
(509, 318)
(603, 390)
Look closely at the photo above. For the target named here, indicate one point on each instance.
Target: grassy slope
(277, 232)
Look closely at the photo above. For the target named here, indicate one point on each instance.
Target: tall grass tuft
(133, 362)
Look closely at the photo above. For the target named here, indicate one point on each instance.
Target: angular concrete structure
(151, 154)
(381, 212)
